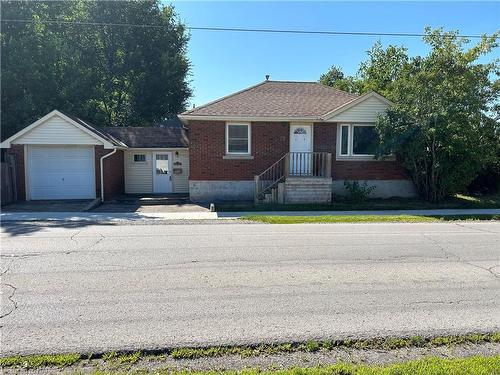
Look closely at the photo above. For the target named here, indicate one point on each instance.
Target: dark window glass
(237, 141)
(139, 157)
(344, 140)
(365, 140)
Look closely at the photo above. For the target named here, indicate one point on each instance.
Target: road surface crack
(101, 237)
(7, 269)
(448, 254)
(10, 297)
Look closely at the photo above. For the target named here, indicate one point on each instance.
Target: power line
(231, 29)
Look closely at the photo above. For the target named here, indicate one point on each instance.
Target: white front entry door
(300, 149)
(162, 172)
(60, 172)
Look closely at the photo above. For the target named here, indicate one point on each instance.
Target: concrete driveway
(92, 288)
(69, 205)
(143, 203)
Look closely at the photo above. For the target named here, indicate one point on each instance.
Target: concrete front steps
(301, 190)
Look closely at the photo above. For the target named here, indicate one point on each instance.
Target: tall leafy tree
(441, 125)
(110, 74)
(444, 124)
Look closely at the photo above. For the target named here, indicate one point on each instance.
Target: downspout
(102, 172)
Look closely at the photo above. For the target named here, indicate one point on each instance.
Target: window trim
(249, 134)
(350, 142)
(139, 161)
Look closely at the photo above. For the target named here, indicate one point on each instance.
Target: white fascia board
(248, 119)
(55, 112)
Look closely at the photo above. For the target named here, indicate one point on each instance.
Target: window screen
(237, 139)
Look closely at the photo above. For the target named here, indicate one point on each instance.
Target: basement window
(139, 158)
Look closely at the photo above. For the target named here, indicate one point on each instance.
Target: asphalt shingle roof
(170, 134)
(149, 137)
(277, 99)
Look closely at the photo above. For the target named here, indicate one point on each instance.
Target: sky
(226, 62)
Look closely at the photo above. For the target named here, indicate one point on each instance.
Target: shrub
(358, 192)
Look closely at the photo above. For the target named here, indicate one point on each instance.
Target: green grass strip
(477, 365)
(44, 360)
(388, 343)
(272, 219)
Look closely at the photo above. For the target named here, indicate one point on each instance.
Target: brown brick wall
(270, 141)
(325, 135)
(18, 152)
(114, 180)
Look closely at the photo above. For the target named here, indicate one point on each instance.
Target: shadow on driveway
(20, 228)
(68, 205)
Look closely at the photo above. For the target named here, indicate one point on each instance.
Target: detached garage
(59, 157)
(64, 157)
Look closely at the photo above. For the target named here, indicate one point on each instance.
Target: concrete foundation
(383, 188)
(216, 191)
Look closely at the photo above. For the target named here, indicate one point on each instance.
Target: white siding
(138, 175)
(366, 111)
(56, 131)
(181, 181)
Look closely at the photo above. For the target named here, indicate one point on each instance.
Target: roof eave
(248, 118)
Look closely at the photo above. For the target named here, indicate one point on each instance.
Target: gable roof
(171, 134)
(72, 120)
(276, 99)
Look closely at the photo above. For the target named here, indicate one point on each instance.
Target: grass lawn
(66, 360)
(477, 365)
(270, 219)
(339, 204)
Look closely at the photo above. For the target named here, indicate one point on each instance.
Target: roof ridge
(224, 97)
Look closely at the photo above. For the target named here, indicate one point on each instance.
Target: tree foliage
(443, 125)
(110, 75)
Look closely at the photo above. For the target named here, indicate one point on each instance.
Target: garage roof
(170, 134)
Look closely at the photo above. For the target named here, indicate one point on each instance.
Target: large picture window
(238, 138)
(356, 140)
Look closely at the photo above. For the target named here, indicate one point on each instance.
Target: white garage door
(61, 172)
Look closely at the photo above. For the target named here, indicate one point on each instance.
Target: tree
(111, 75)
(444, 124)
(440, 126)
(336, 78)
(378, 73)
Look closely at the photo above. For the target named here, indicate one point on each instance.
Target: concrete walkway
(204, 215)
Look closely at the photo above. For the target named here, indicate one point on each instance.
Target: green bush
(358, 192)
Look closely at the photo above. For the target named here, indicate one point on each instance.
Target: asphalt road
(94, 288)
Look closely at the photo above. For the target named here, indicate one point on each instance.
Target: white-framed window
(139, 158)
(357, 141)
(238, 136)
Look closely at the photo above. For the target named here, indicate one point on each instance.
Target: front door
(162, 172)
(300, 150)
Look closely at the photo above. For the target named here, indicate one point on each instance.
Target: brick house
(288, 142)
(275, 142)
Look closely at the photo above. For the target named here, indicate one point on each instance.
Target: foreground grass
(341, 204)
(271, 219)
(388, 343)
(478, 365)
